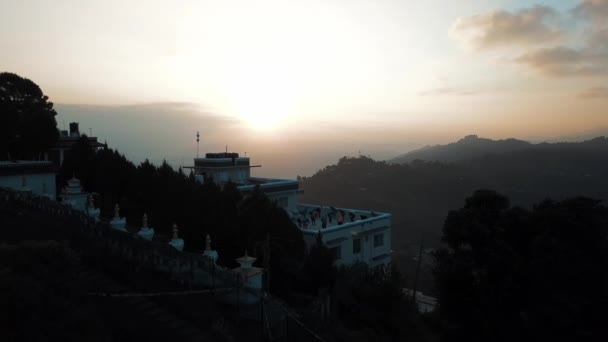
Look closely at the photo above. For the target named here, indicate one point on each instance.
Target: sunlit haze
(297, 84)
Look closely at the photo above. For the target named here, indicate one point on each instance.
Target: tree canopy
(27, 118)
(512, 274)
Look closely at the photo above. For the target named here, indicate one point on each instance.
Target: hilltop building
(65, 143)
(228, 166)
(351, 235)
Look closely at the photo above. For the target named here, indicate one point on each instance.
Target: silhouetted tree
(27, 118)
(318, 271)
(511, 274)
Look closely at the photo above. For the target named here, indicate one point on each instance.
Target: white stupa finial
(116, 211)
(175, 230)
(208, 243)
(144, 222)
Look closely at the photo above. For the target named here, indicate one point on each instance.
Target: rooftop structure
(66, 142)
(229, 166)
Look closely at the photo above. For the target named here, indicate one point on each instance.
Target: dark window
(378, 240)
(356, 246)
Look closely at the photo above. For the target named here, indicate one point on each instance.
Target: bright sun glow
(261, 97)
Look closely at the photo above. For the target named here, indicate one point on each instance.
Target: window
(378, 240)
(356, 246)
(336, 252)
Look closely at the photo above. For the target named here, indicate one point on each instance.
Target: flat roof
(8, 168)
(359, 217)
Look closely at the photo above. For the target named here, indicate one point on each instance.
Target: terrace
(311, 218)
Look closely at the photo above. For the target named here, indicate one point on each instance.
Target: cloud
(593, 10)
(533, 28)
(502, 28)
(563, 61)
(446, 91)
(594, 93)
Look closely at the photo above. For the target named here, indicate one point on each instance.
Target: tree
(514, 274)
(27, 118)
(318, 270)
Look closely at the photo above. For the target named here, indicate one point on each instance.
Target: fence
(184, 267)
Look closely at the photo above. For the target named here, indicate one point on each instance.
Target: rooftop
(25, 167)
(314, 218)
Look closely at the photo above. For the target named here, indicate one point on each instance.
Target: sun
(264, 107)
(262, 97)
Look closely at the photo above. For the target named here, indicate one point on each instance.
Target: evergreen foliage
(235, 222)
(27, 119)
(512, 274)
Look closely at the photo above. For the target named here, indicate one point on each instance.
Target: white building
(36, 177)
(352, 235)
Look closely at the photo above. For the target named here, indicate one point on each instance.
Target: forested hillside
(420, 193)
(468, 147)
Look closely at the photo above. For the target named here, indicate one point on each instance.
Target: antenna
(226, 148)
(197, 139)
(90, 132)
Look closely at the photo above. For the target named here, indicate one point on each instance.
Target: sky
(297, 84)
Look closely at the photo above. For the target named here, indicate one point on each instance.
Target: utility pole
(418, 267)
(267, 261)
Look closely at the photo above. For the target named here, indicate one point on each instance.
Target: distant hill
(466, 148)
(420, 193)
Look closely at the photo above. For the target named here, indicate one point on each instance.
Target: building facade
(37, 177)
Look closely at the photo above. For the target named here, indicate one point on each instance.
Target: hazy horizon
(298, 84)
(280, 155)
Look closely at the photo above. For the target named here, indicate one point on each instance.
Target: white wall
(342, 237)
(35, 182)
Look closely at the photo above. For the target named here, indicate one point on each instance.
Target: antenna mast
(197, 139)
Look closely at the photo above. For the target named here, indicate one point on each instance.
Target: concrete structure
(228, 166)
(146, 232)
(175, 241)
(352, 235)
(424, 303)
(73, 194)
(117, 222)
(91, 210)
(210, 253)
(36, 177)
(65, 143)
(250, 277)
